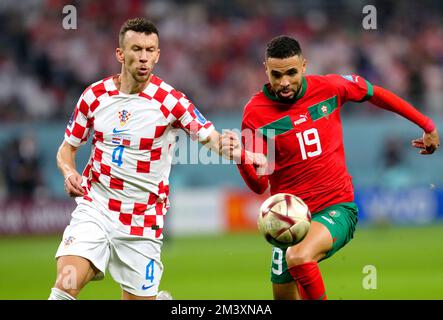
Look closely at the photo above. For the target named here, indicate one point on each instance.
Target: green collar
(300, 94)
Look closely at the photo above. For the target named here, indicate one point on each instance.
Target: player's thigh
(135, 264)
(313, 247)
(341, 221)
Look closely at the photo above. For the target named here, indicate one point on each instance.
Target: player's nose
(285, 82)
(144, 56)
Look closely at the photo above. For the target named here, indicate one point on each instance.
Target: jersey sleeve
(191, 120)
(352, 87)
(252, 139)
(79, 125)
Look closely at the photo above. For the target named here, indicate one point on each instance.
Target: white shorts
(133, 261)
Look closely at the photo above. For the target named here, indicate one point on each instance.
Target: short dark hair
(138, 25)
(282, 47)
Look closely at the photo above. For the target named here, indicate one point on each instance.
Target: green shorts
(340, 219)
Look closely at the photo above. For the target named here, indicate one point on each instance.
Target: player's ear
(158, 56)
(120, 55)
(303, 68)
(266, 66)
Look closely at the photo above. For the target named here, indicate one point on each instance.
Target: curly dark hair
(282, 47)
(138, 25)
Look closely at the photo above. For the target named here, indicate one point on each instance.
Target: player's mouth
(287, 94)
(143, 71)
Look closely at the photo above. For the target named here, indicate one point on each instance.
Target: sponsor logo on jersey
(199, 116)
(351, 77)
(147, 287)
(303, 118)
(119, 131)
(328, 220)
(124, 117)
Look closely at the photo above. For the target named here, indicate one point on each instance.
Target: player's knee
(295, 257)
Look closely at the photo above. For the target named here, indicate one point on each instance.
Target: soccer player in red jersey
(300, 114)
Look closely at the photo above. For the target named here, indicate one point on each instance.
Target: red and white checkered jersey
(132, 148)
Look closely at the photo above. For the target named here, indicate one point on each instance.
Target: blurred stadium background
(213, 51)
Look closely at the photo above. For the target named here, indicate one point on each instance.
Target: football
(284, 220)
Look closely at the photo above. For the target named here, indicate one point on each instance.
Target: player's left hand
(428, 143)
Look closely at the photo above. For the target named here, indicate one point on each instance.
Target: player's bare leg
(73, 273)
(129, 296)
(302, 260)
(286, 291)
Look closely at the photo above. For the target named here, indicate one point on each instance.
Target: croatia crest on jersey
(124, 117)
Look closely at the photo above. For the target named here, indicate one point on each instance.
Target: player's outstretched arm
(213, 142)
(66, 164)
(389, 101)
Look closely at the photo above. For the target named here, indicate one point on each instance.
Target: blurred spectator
(213, 50)
(21, 164)
(395, 172)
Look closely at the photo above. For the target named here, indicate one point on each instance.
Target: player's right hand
(428, 143)
(73, 186)
(230, 146)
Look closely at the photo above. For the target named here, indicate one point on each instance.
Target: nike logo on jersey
(119, 131)
(146, 287)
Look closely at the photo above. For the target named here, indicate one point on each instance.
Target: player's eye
(292, 72)
(276, 75)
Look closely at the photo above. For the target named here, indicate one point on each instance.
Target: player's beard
(287, 98)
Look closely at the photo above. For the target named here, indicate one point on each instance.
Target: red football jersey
(307, 136)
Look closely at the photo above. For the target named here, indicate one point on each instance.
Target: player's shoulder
(257, 101)
(102, 86)
(322, 79)
(333, 78)
(161, 87)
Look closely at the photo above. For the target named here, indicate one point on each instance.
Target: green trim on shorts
(340, 219)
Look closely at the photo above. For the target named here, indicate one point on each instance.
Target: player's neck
(125, 83)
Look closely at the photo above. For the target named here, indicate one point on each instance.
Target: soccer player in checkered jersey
(122, 195)
(301, 114)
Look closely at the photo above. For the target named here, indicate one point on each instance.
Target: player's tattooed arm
(66, 164)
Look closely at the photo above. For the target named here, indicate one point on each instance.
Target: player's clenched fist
(73, 185)
(230, 146)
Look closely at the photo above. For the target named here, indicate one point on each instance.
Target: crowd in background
(213, 50)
